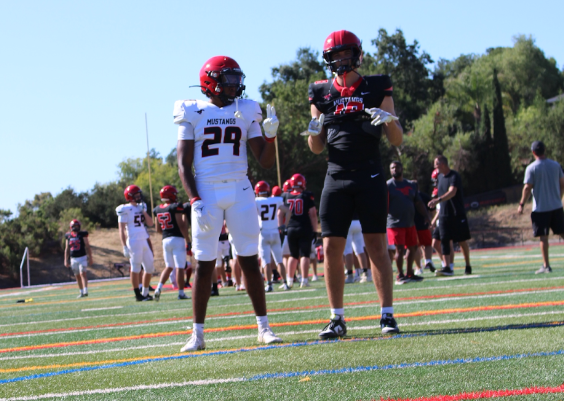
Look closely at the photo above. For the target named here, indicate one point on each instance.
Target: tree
(502, 160)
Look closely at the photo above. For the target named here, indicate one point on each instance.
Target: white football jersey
(268, 212)
(220, 147)
(134, 219)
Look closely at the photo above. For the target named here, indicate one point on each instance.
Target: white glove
(380, 116)
(315, 126)
(203, 219)
(142, 206)
(126, 252)
(270, 123)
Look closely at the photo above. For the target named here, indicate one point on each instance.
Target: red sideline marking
(275, 310)
(484, 394)
(298, 323)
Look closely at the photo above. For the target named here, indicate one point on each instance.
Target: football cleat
(468, 270)
(314, 278)
(194, 344)
(157, 295)
(268, 288)
(544, 269)
(183, 296)
(214, 293)
(349, 279)
(414, 278)
(445, 271)
(430, 267)
(81, 295)
(284, 287)
(335, 328)
(266, 336)
(402, 280)
(388, 324)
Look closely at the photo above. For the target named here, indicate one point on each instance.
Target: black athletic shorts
(437, 233)
(453, 228)
(299, 241)
(543, 221)
(364, 191)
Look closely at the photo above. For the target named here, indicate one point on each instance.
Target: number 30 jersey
(352, 142)
(220, 138)
(268, 212)
(134, 219)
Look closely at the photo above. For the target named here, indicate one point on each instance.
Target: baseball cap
(538, 147)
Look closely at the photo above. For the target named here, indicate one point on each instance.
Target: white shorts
(285, 247)
(174, 252)
(140, 254)
(222, 252)
(233, 201)
(355, 239)
(79, 265)
(269, 242)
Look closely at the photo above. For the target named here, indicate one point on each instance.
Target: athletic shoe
(445, 271)
(363, 278)
(275, 277)
(157, 295)
(402, 280)
(81, 295)
(544, 269)
(230, 283)
(297, 277)
(335, 328)
(194, 344)
(388, 324)
(357, 278)
(430, 266)
(303, 285)
(418, 272)
(468, 270)
(349, 279)
(314, 278)
(151, 289)
(268, 288)
(266, 336)
(214, 293)
(284, 287)
(141, 298)
(415, 278)
(181, 296)
(174, 286)
(369, 276)
(187, 285)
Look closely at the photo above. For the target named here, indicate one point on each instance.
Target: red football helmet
(262, 187)
(338, 41)
(435, 192)
(219, 72)
(298, 181)
(73, 223)
(276, 191)
(169, 192)
(287, 187)
(131, 192)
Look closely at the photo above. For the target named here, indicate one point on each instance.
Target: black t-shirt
(419, 218)
(352, 142)
(76, 243)
(455, 205)
(299, 204)
(166, 216)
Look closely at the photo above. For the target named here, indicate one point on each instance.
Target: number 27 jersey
(220, 138)
(268, 212)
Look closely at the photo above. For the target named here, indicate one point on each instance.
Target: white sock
(140, 286)
(181, 292)
(290, 282)
(145, 291)
(85, 290)
(452, 266)
(262, 322)
(338, 312)
(428, 261)
(159, 286)
(305, 280)
(198, 328)
(387, 309)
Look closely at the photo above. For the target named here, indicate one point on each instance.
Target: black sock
(365, 270)
(214, 286)
(137, 291)
(349, 272)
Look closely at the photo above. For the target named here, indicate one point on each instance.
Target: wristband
(439, 199)
(269, 140)
(521, 204)
(194, 199)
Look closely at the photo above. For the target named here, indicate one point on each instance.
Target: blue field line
(402, 365)
(309, 343)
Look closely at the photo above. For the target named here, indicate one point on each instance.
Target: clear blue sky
(77, 77)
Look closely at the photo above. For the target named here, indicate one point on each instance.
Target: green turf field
(498, 332)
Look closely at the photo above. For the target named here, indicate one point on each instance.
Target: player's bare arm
(448, 195)
(393, 130)
(264, 152)
(313, 217)
(67, 253)
(88, 251)
(284, 215)
(561, 187)
(148, 219)
(182, 225)
(123, 234)
(317, 142)
(185, 157)
(527, 189)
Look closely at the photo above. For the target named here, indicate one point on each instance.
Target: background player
(272, 212)
(355, 241)
(175, 239)
(302, 226)
(77, 248)
(213, 137)
(349, 113)
(132, 218)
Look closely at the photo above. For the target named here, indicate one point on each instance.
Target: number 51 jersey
(220, 138)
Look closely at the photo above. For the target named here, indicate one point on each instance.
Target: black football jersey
(166, 216)
(299, 204)
(76, 243)
(352, 142)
